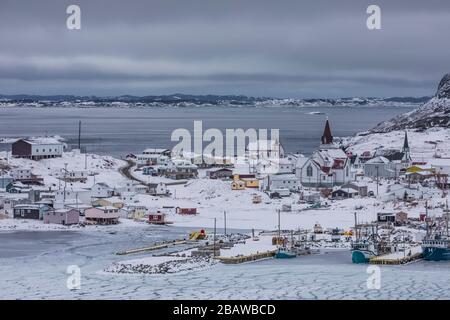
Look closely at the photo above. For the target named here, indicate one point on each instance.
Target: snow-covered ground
(424, 144)
(214, 197)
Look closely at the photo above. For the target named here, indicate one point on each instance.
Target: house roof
(99, 213)
(281, 177)
(378, 160)
(41, 140)
(103, 184)
(263, 145)
(156, 150)
(327, 137)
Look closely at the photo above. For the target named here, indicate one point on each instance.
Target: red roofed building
(328, 166)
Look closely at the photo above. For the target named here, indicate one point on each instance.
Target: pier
(247, 258)
(398, 257)
(152, 248)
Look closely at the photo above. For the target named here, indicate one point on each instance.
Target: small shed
(360, 188)
(222, 173)
(401, 217)
(386, 217)
(344, 193)
(157, 218)
(189, 211)
(238, 185)
(62, 216)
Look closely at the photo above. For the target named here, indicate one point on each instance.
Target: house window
(347, 171)
(309, 171)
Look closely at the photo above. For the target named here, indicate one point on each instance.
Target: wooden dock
(248, 258)
(152, 248)
(397, 258)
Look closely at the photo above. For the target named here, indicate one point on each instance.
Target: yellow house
(251, 183)
(118, 205)
(238, 185)
(101, 203)
(415, 169)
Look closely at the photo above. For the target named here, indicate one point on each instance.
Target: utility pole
(65, 180)
(225, 222)
(377, 179)
(214, 247)
(426, 217)
(279, 225)
(79, 135)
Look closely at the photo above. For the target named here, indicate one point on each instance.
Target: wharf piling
(247, 258)
(152, 248)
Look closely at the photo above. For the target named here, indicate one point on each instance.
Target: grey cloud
(282, 48)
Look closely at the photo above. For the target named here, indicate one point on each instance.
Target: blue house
(148, 171)
(4, 181)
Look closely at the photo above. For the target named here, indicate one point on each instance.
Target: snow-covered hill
(201, 101)
(434, 113)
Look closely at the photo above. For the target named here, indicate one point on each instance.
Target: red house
(186, 210)
(157, 218)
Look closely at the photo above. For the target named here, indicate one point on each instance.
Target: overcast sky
(283, 48)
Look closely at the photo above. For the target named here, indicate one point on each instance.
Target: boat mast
(426, 219)
(279, 227)
(446, 216)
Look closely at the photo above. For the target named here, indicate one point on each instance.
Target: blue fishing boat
(285, 254)
(436, 244)
(436, 249)
(368, 243)
(362, 251)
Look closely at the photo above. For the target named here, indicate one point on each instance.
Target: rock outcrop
(434, 113)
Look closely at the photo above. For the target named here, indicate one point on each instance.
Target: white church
(327, 167)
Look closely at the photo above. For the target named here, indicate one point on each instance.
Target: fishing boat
(283, 252)
(363, 251)
(436, 244)
(367, 244)
(436, 248)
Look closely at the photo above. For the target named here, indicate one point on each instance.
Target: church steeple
(327, 138)
(406, 153)
(406, 143)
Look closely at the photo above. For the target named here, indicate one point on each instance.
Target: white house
(71, 175)
(158, 189)
(21, 174)
(328, 166)
(101, 190)
(440, 165)
(36, 149)
(265, 149)
(382, 167)
(134, 187)
(70, 195)
(156, 152)
(281, 181)
(128, 197)
(149, 159)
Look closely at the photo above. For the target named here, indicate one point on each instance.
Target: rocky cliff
(434, 113)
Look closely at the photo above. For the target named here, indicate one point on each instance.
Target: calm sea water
(119, 131)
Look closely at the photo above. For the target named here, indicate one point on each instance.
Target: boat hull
(284, 255)
(359, 256)
(435, 254)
